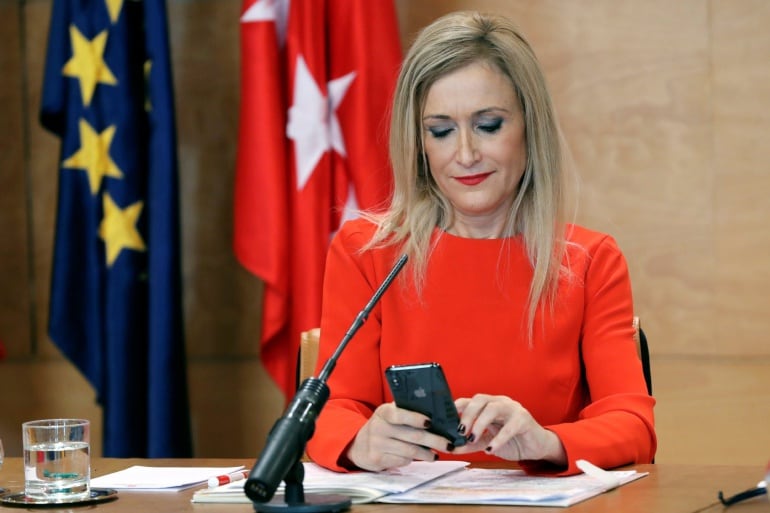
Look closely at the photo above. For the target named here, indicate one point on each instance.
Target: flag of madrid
(316, 83)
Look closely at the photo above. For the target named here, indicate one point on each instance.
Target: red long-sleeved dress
(580, 375)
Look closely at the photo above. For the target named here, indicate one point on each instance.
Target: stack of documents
(361, 487)
(444, 482)
(169, 479)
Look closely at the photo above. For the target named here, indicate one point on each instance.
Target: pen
(227, 478)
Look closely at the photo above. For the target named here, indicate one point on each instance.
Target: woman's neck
(477, 227)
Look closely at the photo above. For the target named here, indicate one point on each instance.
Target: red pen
(227, 478)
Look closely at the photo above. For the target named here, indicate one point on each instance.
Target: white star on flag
(313, 123)
(269, 10)
(350, 210)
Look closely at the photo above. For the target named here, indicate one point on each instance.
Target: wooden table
(668, 488)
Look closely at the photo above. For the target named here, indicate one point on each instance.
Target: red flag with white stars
(316, 85)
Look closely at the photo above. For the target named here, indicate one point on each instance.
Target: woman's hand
(501, 426)
(394, 437)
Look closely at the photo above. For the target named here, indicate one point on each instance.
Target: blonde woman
(529, 316)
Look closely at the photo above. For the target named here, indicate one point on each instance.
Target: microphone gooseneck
(288, 436)
(360, 318)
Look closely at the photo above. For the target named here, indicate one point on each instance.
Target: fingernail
(471, 437)
(427, 424)
(461, 429)
(488, 449)
(450, 447)
(435, 456)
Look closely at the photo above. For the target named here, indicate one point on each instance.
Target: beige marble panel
(631, 89)
(44, 389)
(15, 320)
(234, 404)
(43, 166)
(631, 84)
(712, 410)
(222, 301)
(741, 46)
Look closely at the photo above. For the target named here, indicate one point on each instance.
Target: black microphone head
(258, 491)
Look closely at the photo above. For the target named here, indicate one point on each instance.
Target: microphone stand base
(314, 503)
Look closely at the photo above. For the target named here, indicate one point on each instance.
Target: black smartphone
(423, 388)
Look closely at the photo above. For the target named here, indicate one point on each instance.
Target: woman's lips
(472, 179)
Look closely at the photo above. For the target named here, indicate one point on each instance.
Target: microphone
(288, 436)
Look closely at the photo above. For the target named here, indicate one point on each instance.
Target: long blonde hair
(418, 206)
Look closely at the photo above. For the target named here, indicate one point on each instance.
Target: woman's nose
(467, 152)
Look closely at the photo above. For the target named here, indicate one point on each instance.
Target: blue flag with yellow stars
(116, 308)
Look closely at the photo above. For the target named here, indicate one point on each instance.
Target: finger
(399, 453)
(392, 424)
(474, 446)
(395, 415)
(469, 409)
(510, 448)
(478, 416)
(506, 440)
(379, 445)
(422, 438)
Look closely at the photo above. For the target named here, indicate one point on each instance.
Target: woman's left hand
(501, 426)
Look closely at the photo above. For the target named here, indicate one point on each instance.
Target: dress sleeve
(616, 427)
(355, 384)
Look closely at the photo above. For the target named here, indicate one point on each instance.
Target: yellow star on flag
(94, 155)
(114, 7)
(118, 228)
(87, 63)
(147, 70)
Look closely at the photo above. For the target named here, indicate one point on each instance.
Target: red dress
(580, 376)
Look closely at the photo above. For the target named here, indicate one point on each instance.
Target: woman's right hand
(394, 437)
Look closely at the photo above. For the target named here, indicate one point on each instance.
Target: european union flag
(116, 289)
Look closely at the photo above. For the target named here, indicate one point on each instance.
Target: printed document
(442, 482)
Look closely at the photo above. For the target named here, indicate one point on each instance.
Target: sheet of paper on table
(169, 479)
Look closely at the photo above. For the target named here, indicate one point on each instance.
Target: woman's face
(475, 145)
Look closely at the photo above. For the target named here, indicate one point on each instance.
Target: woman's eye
(490, 126)
(439, 132)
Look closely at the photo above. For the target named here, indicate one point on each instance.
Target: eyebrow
(481, 112)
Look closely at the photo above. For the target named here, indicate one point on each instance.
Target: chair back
(644, 353)
(308, 354)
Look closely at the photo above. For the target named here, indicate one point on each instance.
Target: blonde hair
(418, 207)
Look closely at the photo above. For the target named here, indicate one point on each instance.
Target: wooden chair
(643, 351)
(308, 353)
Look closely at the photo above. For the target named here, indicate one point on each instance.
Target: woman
(530, 317)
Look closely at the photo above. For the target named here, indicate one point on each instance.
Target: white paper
(159, 478)
(443, 482)
(510, 487)
(361, 487)
(394, 480)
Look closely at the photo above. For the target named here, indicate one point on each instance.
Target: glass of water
(57, 465)
(2, 457)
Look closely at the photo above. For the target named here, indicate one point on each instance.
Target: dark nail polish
(450, 447)
(471, 438)
(435, 456)
(427, 424)
(488, 449)
(461, 429)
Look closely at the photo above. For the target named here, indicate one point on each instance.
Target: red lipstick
(472, 179)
